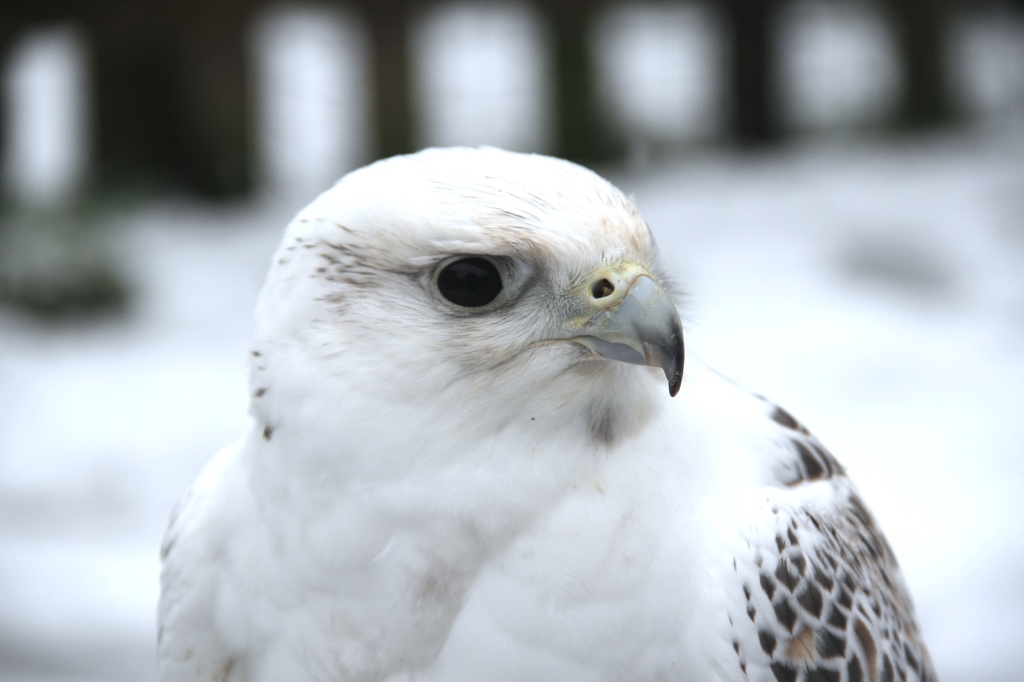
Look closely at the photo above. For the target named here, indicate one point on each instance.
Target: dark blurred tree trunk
(7, 29)
(754, 110)
(581, 132)
(171, 95)
(393, 112)
(922, 31)
(136, 117)
(215, 83)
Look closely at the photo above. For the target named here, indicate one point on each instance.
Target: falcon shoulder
(825, 600)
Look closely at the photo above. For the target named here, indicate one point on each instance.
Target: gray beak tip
(674, 382)
(671, 360)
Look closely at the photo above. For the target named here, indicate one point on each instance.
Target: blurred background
(838, 184)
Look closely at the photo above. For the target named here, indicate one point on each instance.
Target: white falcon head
(474, 279)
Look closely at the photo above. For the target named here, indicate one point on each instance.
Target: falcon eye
(470, 282)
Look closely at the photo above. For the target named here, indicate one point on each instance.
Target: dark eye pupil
(470, 282)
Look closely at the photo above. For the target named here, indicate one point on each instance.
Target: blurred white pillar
(839, 65)
(310, 92)
(661, 67)
(480, 76)
(988, 63)
(45, 92)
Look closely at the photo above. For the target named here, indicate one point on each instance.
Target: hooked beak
(634, 321)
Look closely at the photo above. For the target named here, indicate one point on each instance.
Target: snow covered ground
(873, 287)
(876, 290)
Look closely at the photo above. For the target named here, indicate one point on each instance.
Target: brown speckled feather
(828, 603)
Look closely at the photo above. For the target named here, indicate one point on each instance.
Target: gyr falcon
(464, 465)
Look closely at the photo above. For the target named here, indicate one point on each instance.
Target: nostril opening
(602, 288)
